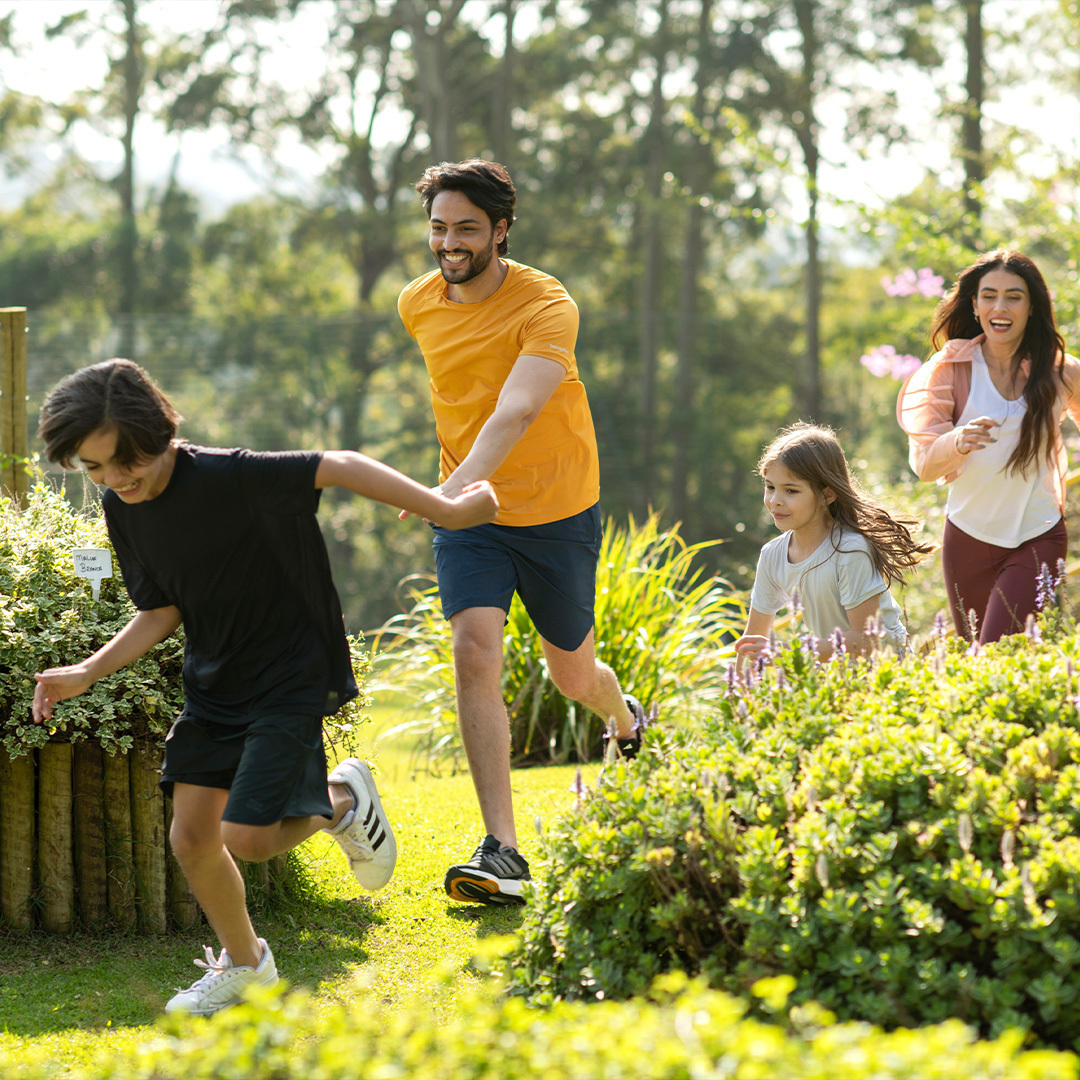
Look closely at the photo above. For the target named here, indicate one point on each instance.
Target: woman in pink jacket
(984, 415)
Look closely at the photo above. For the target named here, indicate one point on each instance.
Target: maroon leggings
(999, 583)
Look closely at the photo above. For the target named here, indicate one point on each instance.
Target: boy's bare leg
(257, 843)
(210, 871)
(485, 729)
(580, 676)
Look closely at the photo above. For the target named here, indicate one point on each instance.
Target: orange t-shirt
(469, 349)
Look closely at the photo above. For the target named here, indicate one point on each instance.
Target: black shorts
(552, 567)
(273, 767)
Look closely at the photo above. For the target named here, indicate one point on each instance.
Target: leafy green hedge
(681, 1031)
(48, 617)
(901, 837)
(661, 624)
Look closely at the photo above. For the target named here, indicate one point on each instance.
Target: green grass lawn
(60, 996)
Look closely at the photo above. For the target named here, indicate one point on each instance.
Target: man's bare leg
(580, 676)
(485, 729)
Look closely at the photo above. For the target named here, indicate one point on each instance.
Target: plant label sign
(93, 563)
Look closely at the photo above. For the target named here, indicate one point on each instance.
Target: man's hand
(476, 505)
(58, 684)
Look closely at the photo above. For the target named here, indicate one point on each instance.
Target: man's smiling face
(462, 238)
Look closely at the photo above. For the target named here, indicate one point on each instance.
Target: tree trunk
(653, 145)
(129, 237)
(17, 840)
(501, 106)
(119, 859)
(56, 869)
(429, 44)
(807, 134)
(693, 255)
(89, 825)
(974, 164)
(148, 838)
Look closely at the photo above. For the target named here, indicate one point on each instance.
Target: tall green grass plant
(663, 624)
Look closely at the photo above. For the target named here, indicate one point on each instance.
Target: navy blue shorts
(273, 768)
(552, 567)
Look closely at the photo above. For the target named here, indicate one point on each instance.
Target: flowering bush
(884, 360)
(910, 282)
(899, 837)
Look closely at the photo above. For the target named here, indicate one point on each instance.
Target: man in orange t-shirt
(498, 340)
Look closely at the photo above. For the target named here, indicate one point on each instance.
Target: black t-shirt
(233, 542)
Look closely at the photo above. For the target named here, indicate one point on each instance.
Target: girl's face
(792, 501)
(1003, 306)
(133, 483)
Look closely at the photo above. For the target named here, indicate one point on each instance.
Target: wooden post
(119, 861)
(148, 838)
(17, 840)
(13, 438)
(56, 868)
(88, 798)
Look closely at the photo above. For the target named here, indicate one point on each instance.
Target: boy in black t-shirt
(227, 543)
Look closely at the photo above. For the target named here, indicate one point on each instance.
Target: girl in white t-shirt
(838, 550)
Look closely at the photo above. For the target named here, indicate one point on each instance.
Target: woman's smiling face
(1003, 307)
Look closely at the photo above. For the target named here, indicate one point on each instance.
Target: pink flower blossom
(883, 361)
(909, 282)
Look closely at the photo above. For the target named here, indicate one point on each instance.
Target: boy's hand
(476, 505)
(57, 684)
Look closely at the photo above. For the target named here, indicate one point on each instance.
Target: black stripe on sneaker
(376, 844)
(367, 818)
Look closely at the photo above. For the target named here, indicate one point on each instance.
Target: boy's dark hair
(115, 394)
(486, 184)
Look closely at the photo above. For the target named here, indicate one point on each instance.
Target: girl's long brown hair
(814, 455)
(1042, 344)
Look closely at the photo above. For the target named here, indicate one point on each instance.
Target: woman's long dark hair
(1042, 344)
(815, 456)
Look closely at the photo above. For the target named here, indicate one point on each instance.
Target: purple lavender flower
(1044, 588)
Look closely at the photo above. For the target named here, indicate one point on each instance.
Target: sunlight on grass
(369, 951)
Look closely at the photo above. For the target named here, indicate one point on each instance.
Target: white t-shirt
(838, 576)
(987, 500)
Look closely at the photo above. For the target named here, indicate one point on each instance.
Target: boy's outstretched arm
(365, 476)
(140, 635)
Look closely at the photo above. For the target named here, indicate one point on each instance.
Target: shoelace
(214, 965)
(357, 849)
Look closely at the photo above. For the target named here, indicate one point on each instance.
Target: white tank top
(988, 501)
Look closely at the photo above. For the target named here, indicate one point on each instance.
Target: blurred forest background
(683, 166)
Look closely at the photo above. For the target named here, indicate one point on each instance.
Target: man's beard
(473, 267)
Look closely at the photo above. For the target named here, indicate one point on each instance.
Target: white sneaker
(364, 832)
(223, 984)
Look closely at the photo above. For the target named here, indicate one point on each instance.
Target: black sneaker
(492, 876)
(629, 747)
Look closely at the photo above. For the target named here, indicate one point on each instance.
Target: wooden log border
(83, 843)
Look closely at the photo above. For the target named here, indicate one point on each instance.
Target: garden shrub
(901, 837)
(661, 624)
(681, 1031)
(48, 618)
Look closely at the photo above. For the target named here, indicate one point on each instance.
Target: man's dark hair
(114, 394)
(486, 184)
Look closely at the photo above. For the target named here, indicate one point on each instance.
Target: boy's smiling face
(134, 483)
